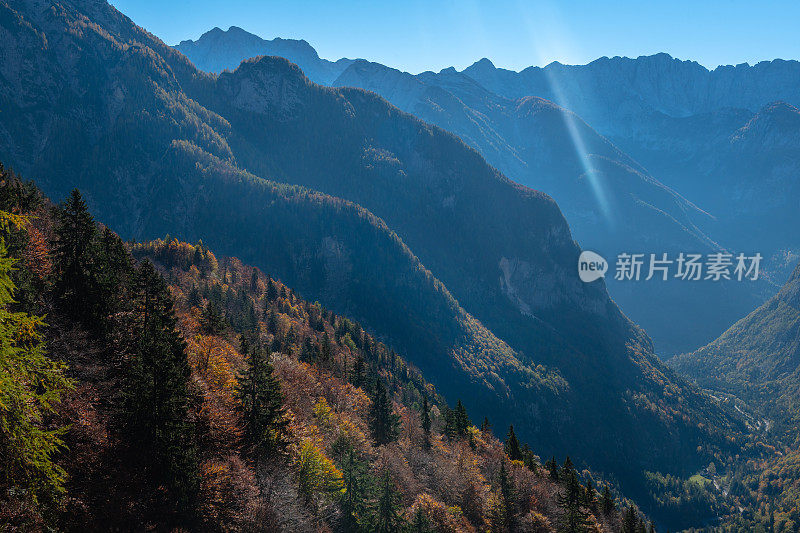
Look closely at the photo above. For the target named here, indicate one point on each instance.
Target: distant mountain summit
(218, 50)
(584, 135)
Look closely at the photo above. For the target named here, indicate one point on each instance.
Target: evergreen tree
(456, 422)
(508, 494)
(386, 517)
(31, 386)
(420, 523)
(575, 519)
(75, 283)
(156, 392)
(590, 495)
(211, 319)
(552, 469)
(264, 419)
(512, 448)
(486, 426)
(114, 271)
(325, 351)
(385, 424)
(272, 291)
(426, 419)
(358, 374)
(254, 282)
(607, 502)
(355, 479)
(630, 520)
(566, 469)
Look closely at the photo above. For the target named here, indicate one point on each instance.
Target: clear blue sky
(417, 35)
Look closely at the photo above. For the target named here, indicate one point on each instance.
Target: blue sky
(417, 35)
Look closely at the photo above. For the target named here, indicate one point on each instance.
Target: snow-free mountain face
(721, 138)
(613, 204)
(218, 50)
(373, 212)
(757, 359)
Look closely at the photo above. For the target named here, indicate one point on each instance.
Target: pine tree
(426, 420)
(264, 420)
(155, 392)
(420, 523)
(386, 517)
(508, 493)
(566, 469)
(607, 502)
(211, 319)
(512, 448)
(590, 495)
(75, 284)
(456, 422)
(31, 386)
(355, 480)
(358, 374)
(325, 351)
(486, 426)
(114, 271)
(385, 424)
(575, 519)
(552, 469)
(630, 520)
(254, 282)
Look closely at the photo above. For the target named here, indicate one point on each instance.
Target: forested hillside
(171, 388)
(424, 258)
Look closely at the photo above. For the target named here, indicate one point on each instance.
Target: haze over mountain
(757, 359)
(409, 232)
(613, 204)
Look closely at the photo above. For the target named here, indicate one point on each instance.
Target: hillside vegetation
(178, 389)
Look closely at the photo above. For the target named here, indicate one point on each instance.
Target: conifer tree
(590, 495)
(426, 419)
(575, 519)
(264, 420)
(486, 426)
(385, 424)
(552, 469)
(420, 523)
(254, 282)
(75, 285)
(607, 504)
(630, 520)
(358, 374)
(31, 386)
(386, 517)
(566, 469)
(155, 392)
(355, 481)
(325, 351)
(211, 319)
(512, 448)
(508, 493)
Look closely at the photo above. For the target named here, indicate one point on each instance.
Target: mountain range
(369, 210)
(525, 124)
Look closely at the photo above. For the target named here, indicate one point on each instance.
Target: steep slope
(758, 358)
(610, 201)
(218, 50)
(326, 375)
(613, 93)
(164, 144)
(682, 122)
